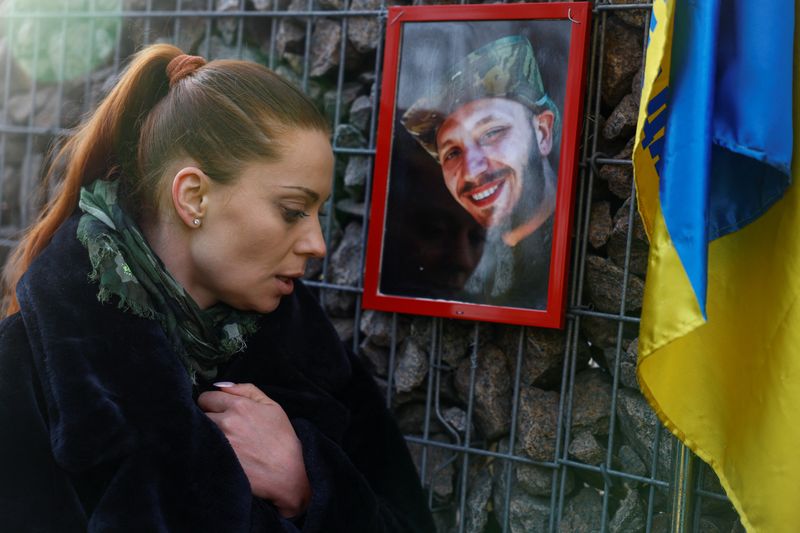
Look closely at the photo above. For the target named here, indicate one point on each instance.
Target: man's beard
(534, 182)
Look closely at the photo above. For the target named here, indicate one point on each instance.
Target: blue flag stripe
(727, 155)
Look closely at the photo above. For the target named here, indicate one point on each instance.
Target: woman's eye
(293, 215)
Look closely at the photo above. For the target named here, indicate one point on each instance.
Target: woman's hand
(265, 443)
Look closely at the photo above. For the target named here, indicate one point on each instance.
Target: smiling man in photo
(492, 128)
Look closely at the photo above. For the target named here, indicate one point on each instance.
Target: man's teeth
(485, 194)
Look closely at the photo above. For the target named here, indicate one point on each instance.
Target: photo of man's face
(485, 148)
(473, 175)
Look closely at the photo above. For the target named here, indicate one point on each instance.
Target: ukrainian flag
(719, 345)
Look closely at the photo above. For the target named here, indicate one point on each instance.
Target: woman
(162, 368)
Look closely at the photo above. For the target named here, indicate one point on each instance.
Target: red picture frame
(477, 152)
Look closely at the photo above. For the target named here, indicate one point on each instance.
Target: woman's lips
(285, 284)
(485, 194)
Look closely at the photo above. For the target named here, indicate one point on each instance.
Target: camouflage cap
(505, 68)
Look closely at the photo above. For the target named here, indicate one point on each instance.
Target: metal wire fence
(57, 57)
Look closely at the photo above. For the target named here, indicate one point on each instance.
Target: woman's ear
(543, 126)
(190, 195)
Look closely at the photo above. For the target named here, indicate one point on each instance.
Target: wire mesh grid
(58, 57)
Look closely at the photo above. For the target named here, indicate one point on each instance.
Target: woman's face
(258, 232)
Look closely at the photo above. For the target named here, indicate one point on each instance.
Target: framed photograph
(473, 187)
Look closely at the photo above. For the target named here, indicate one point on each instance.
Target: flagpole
(684, 473)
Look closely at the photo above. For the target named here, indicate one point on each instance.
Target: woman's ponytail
(107, 141)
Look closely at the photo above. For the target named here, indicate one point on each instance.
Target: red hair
(223, 115)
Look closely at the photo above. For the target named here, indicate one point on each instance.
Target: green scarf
(125, 266)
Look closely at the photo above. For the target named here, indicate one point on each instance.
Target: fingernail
(224, 384)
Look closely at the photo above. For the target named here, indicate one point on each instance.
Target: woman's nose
(312, 243)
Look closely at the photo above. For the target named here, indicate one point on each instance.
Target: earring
(196, 222)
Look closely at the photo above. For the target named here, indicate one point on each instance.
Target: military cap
(504, 68)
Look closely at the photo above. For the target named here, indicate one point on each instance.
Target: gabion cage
(512, 428)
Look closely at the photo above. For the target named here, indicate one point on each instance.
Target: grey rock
(526, 513)
(347, 136)
(661, 524)
(457, 337)
(443, 519)
(600, 332)
(348, 94)
(538, 420)
(368, 79)
(9, 206)
(361, 112)
(364, 32)
(376, 356)
(532, 479)
(630, 516)
(636, 18)
(227, 26)
(492, 403)
(218, 49)
(351, 207)
(290, 37)
(636, 84)
(627, 363)
(600, 224)
(331, 5)
(639, 424)
(325, 41)
(738, 527)
(604, 286)
(287, 72)
(640, 246)
(629, 461)
(15, 149)
(591, 401)
(22, 106)
(456, 418)
(476, 513)
(420, 327)
(18, 81)
(543, 354)
(411, 419)
(582, 512)
(344, 327)
(344, 269)
(619, 177)
(621, 123)
(439, 466)
(101, 82)
(357, 170)
(53, 114)
(377, 326)
(296, 66)
(412, 365)
(713, 506)
(31, 195)
(622, 58)
(710, 525)
(585, 448)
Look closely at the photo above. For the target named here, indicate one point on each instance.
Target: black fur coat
(100, 430)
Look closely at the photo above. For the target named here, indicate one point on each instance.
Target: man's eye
(451, 154)
(493, 134)
(293, 215)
